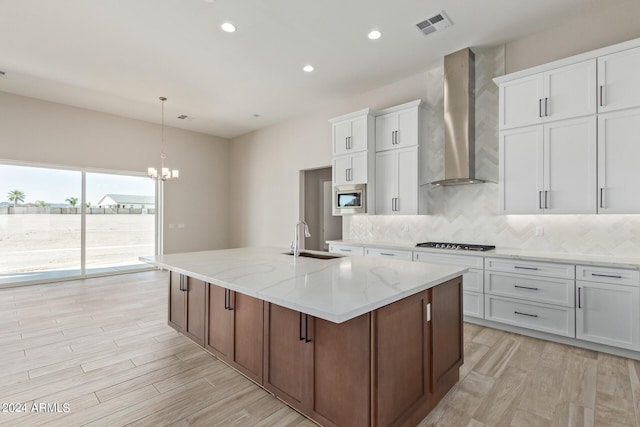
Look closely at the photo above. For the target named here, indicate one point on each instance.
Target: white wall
(48, 133)
(598, 27)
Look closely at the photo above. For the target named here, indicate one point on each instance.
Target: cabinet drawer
(551, 319)
(540, 289)
(389, 253)
(608, 275)
(534, 268)
(346, 250)
(473, 304)
(464, 260)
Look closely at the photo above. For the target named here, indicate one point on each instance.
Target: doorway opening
(316, 208)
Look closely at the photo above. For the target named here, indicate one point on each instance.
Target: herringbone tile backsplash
(469, 213)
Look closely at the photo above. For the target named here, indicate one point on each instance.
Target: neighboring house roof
(126, 199)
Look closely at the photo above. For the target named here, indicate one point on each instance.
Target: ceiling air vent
(182, 116)
(434, 23)
(2, 73)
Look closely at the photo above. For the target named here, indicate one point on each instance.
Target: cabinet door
(618, 154)
(386, 182)
(447, 345)
(404, 357)
(359, 135)
(407, 135)
(608, 314)
(288, 356)
(341, 134)
(177, 301)
(341, 170)
(407, 168)
(521, 170)
(570, 166)
(248, 335)
(386, 126)
(342, 379)
(196, 309)
(521, 102)
(220, 322)
(358, 173)
(570, 91)
(618, 80)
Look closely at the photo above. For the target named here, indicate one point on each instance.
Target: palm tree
(73, 201)
(41, 203)
(16, 196)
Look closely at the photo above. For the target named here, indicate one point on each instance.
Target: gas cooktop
(455, 246)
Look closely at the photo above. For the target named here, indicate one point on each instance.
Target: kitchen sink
(315, 255)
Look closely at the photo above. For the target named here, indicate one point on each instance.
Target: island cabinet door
(177, 302)
(195, 309)
(288, 356)
(248, 335)
(219, 322)
(342, 371)
(403, 365)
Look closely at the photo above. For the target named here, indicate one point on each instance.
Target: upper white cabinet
(618, 80)
(351, 134)
(397, 129)
(400, 139)
(557, 94)
(351, 169)
(549, 168)
(618, 165)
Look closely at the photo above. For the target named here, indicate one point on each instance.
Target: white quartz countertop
(336, 289)
(568, 258)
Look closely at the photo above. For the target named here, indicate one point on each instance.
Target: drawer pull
(525, 314)
(345, 250)
(612, 276)
(525, 268)
(387, 254)
(525, 287)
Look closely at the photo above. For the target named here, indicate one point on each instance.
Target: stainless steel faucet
(295, 247)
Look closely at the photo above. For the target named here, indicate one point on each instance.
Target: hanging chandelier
(165, 173)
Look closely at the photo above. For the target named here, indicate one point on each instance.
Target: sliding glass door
(59, 223)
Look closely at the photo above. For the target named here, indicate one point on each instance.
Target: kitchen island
(346, 341)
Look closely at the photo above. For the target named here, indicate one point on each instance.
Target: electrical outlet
(539, 230)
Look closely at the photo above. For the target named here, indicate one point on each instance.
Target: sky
(57, 185)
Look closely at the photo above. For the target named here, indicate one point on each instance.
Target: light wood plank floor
(103, 347)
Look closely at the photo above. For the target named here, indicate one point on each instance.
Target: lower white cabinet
(389, 253)
(541, 317)
(346, 249)
(472, 281)
(608, 307)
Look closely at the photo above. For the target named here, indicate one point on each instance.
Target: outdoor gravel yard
(37, 242)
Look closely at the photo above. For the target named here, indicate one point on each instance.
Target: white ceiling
(119, 56)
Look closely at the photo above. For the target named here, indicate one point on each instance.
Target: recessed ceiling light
(308, 68)
(374, 35)
(228, 27)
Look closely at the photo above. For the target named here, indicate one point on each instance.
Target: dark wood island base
(388, 367)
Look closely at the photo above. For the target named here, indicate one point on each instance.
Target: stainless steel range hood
(459, 119)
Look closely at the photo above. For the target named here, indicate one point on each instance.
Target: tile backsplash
(469, 213)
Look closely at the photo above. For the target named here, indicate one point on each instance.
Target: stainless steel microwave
(350, 199)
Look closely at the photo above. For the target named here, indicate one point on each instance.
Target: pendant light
(165, 173)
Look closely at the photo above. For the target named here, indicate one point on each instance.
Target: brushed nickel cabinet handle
(387, 254)
(525, 287)
(525, 314)
(602, 197)
(612, 276)
(540, 107)
(579, 299)
(546, 199)
(540, 199)
(602, 95)
(546, 107)
(525, 268)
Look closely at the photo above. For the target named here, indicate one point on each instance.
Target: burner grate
(455, 246)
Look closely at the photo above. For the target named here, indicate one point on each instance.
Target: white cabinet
(351, 169)
(351, 133)
(399, 163)
(618, 162)
(397, 182)
(608, 307)
(472, 280)
(557, 94)
(389, 253)
(397, 129)
(618, 85)
(549, 168)
(349, 250)
(530, 294)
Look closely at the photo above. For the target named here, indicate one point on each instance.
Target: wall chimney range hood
(459, 119)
